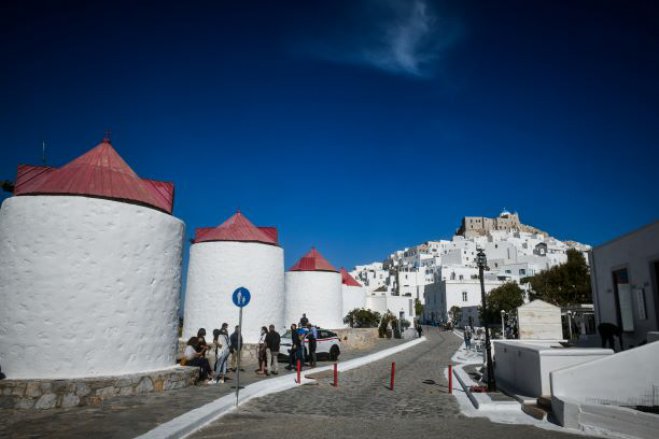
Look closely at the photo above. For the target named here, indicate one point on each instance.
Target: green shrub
(362, 318)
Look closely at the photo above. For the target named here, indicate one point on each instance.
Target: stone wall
(49, 394)
(358, 338)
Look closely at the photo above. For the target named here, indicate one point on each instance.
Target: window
(522, 272)
(464, 296)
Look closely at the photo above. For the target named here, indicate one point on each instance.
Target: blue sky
(359, 127)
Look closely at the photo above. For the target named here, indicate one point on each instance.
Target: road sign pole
(240, 336)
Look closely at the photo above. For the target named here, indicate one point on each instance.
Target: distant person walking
(419, 330)
(272, 341)
(235, 347)
(467, 336)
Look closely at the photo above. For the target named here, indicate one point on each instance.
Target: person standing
(419, 330)
(312, 336)
(467, 337)
(295, 341)
(302, 332)
(221, 354)
(272, 341)
(304, 321)
(262, 352)
(235, 347)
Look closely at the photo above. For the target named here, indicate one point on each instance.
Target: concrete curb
(196, 419)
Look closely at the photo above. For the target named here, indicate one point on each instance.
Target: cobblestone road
(363, 406)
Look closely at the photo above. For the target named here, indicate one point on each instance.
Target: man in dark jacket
(272, 340)
(235, 348)
(295, 342)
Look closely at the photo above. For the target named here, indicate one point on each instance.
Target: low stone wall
(358, 338)
(49, 394)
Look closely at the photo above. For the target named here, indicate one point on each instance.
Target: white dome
(353, 297)
(316, 293)
(216, 269)
(89, 287)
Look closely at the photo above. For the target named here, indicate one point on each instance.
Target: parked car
(327, 345)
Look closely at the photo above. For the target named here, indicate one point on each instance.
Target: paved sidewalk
(128, 417)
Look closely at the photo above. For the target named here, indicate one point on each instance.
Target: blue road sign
(241, 297)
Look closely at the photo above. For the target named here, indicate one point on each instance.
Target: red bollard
(450, 378)
(393, 374)
(336, 375)
(299, 367)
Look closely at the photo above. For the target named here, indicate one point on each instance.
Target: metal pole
(503, 324)
(490, 370)
(450, 378)
(240, 336)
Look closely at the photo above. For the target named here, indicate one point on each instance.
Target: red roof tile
(100, 172)
(237, 228)
(313, 261)
(348, 280)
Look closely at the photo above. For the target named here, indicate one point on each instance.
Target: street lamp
(503, 324)
(481, 261)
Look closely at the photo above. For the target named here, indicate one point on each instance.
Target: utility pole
(482, 265)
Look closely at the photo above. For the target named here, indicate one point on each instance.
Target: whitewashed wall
(539, 320)
(353, 297)
(524, 368)
(216, 269)
(316, 293)
(377, 303)
(628, 379)
(88, 287)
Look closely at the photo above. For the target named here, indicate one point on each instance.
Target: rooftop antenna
(108, 136)
(43, 151)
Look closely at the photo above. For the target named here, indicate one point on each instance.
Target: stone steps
(540, 410)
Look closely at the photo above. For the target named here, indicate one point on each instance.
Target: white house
(625, 283)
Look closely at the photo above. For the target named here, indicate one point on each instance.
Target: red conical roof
(100, 172)
(348, 280)
(313, 261)
(236, 228)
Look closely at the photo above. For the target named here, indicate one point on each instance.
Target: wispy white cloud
(396, 36)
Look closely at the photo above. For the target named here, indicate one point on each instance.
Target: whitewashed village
(91, 251)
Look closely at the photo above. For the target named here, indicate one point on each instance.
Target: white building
(353, 293)
(463, 292)
(444, 271)
(234, 254)
(625, 283)
(313, 287)
(90, 269)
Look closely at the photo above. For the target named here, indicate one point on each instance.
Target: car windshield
(287, 334)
